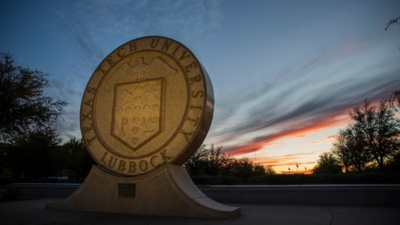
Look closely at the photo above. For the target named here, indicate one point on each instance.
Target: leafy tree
(259, 170)
(226, 164)
(2, 160)
(380, 129)
(214, 163)
(242, 168)
(80, 161)
(360, 154)
(394, 100)
(197, 161)
(218, 162)
(371, 168)
(209, 161)
(23, 106)
(393, 164)
(341, 150)
(327, 163)
(36, 154)
(393, 21)
(270, 171)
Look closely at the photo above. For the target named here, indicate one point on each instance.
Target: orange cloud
(302, 153)
(286, 160)
(268, 162)
(319, 124)
(309, 143)
(311, 171)
(291, 163)
(282, 163)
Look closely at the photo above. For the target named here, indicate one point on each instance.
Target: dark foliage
(380, 129)
(393, 21)
(372, 137)
(214, 162)
(23, 106)
(394, 100)
(79, 161)
(36, 154)
(351, 149)
(39, 155)
(393, 164)
(2, 161)
(269, 171)
(340, 149)
(197, 162)
(327, 163)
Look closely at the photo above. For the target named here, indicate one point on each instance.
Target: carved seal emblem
(149, 102)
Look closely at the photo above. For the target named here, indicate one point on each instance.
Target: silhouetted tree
(80, 161)
(226, 164)
(393, 164)
(393, 21)
(380, 129)
(360, 153)
(327, 163)
(260, 170)
(269, 170)
(341, 150)
(36, 154)
(394, 100)
(215, 162)
(242, 168)
(3, 165)
(22, 103)
(197, 161)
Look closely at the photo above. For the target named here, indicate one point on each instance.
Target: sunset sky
(285, 73)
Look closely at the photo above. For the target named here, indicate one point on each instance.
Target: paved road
(34, 212)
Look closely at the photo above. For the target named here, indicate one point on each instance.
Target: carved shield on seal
(139, 98)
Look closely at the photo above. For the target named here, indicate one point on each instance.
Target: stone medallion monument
(146, 109)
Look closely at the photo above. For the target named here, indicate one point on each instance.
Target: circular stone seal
(148, 103)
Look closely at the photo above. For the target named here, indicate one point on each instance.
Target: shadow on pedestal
(168, 191)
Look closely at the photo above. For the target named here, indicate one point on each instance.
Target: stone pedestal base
(169, 191)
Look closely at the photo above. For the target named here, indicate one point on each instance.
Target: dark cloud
(329, 82)
(335, 97)
(317, 110)
(92, 29)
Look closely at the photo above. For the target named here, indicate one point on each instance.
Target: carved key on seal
(124, 121)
